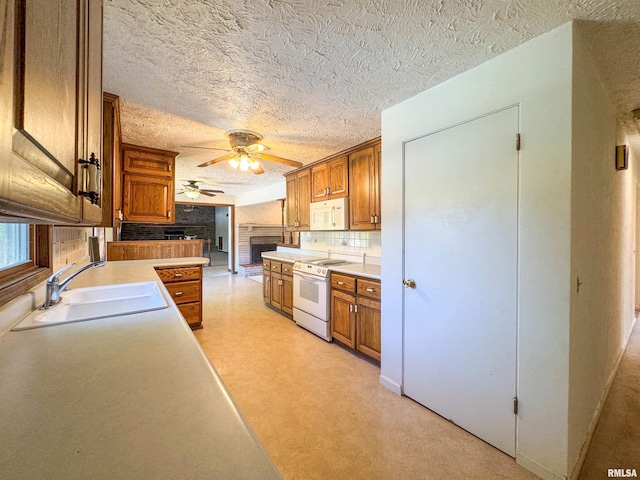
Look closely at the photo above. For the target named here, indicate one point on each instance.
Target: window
(16, 246)
(25, 261)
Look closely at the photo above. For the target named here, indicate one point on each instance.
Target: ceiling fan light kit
(247, 151)
(193, 191)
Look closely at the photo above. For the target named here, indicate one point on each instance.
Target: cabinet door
(343, 325)
(147, 199)
(320, 182)
(339, 177)
(377, 198)
(92, 211)
(147, 161)
(304, 199)
(368, 328)
(276, 290)
(292, 202)
(40, 97)
(287, 294)
(362, 188)
(266, 286)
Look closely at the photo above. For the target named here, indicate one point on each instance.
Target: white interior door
(460, 241)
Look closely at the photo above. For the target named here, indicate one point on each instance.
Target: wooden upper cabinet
(330, 179)
(364, 188)
(50, 108)
(112, 161)
(304, 199)
(147, 161)
(147, 184)
(298, 200)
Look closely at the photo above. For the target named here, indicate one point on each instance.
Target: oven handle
(311, 278)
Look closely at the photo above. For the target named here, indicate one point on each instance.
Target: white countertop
(129, 397)
(362, 269)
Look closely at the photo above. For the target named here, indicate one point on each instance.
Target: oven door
(311, 295)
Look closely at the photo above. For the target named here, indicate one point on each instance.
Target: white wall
(222, 227)
(537, 76)
(602, 244)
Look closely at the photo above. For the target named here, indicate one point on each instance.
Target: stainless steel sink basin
(91, 303)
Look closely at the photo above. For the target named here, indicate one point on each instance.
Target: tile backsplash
(70, 244)
(343, 242)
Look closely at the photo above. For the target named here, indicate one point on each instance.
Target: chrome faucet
(55, 286)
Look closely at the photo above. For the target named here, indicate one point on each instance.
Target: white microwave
(330, 214)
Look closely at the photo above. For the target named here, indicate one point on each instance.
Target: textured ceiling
(313, 76)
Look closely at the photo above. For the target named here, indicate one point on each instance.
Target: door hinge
(515, 405)
(517, 141)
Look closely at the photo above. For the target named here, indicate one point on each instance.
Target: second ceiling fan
(246, 152)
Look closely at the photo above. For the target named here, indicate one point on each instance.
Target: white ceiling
(313, 76)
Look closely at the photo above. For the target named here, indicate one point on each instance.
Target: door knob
(409, 283)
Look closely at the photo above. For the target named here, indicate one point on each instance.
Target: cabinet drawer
(266, 264)
(191, 312)
(343, 282)
(287, 268)
(276, 266)
(178, 274)
(184, 292)
(369, 288)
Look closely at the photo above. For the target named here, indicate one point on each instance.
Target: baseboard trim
(390, 384)
(540, 470)
(596, 417)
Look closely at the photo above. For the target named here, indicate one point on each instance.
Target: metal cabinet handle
(370, 290)
(177, 274)
(340, 283)
(177, 294)
(371, 219)
(409, 283)
(350, 308)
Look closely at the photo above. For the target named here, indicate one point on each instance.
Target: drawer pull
(370, 290)
(177, 274)
(177, 294)
(340, 283)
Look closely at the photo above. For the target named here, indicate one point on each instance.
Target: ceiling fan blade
(258, 170)
(206, 148)
(207, 193)
(208, 190)
(256, 148)
(273, 158)
(218, 160)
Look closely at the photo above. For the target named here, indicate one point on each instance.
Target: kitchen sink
(91, 303)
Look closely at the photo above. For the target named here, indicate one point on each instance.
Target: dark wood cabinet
(355, 313)
(330, 179)
(50, 109)
(184, 285)
(364, 188)
(147, 184)
(298, 200)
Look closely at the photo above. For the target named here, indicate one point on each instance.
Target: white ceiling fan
(246, 152)
(192, 190)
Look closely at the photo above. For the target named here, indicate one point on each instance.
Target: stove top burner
(317, 267)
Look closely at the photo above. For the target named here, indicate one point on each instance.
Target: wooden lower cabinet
(343, 321)
(355, 313)
(147, 249)
(184, 285)
(277, 285)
